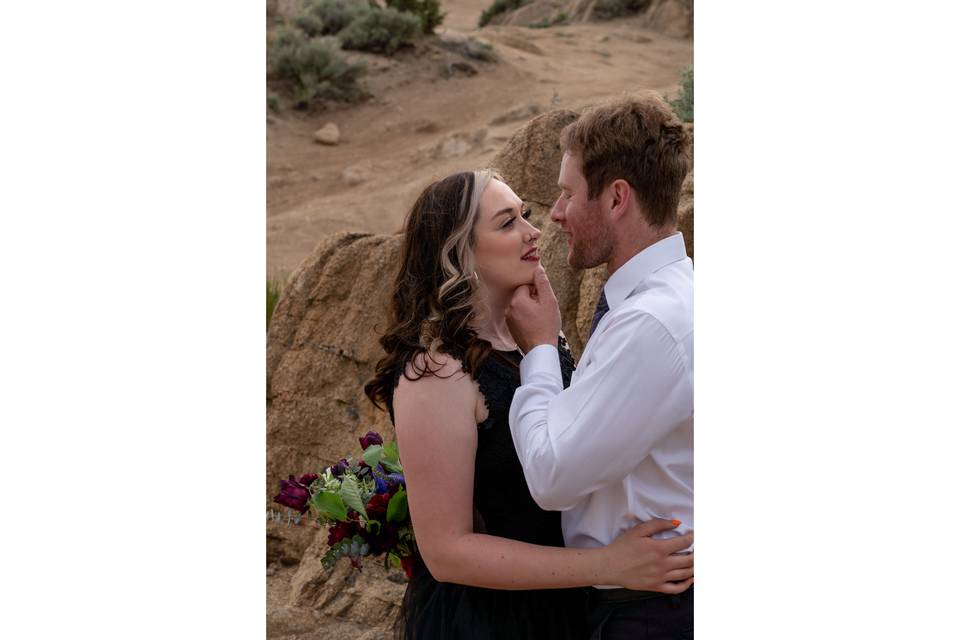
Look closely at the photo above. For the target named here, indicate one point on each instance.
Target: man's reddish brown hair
(638, 139)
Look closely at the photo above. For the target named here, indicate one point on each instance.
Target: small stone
(357, 174)
(329, 134)
(454, 147)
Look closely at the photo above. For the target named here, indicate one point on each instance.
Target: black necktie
(602, 309)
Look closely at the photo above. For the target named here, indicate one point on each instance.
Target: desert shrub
(273, 102)
(427, 10)
(313, 68)
(610, 9)
(380, 31)
(549, 21)
(683, 105)
(498, 7)
(274, 289)
(328, 17)
(470, 48)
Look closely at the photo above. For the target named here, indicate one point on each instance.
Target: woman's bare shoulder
(436, 382)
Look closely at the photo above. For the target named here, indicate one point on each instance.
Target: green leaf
(350, 492)
(334, 553)
(392, 467)
(391, 452)
(397, 507)
(373, 526)
(372, 455)
(331, 505)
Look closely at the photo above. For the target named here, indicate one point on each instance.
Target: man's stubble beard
(592, 252)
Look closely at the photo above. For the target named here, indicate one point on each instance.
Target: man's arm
(572, 442)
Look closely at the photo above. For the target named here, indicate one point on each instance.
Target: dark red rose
(377, 507)
(294, 495)
(341, 530)
(407, 563)
(307, 479)
(371, 438)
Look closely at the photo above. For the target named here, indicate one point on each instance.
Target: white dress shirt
(616, 447)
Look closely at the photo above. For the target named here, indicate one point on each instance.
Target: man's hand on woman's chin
(533, 315)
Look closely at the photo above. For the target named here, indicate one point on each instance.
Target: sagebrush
(380, 31)
(549, 21)
(498, 7)
(683, 105)
(274, 289)
(428, 11)
(329, 17)
(610, 9)
(313, 68)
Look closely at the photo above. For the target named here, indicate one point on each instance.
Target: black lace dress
(434, 610)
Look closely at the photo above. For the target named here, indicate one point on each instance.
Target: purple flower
(371, 438)
(340, 468)
(294, 495)
(382, 486)
(396, 478)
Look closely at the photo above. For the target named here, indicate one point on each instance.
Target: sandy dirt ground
(427, 119)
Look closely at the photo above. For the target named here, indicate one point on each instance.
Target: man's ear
(618, 195)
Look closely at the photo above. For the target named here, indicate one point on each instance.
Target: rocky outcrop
(322, 347)
(670, 17)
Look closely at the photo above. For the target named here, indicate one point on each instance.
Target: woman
(491, 563)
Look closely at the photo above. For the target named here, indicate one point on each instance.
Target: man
(616, 447)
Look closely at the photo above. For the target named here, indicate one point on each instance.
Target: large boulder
(530, 159)
(321, 349)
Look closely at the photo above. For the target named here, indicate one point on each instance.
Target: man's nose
(555, 213)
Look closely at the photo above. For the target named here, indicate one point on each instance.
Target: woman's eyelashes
(525, 214)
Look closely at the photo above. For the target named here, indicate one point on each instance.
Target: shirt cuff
(541, 363)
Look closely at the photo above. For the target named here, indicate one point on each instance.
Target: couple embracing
(550, 499)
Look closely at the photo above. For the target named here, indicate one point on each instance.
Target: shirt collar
(638, 268)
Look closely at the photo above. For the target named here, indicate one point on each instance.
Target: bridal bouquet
(365, 502)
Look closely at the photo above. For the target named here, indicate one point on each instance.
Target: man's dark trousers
(618, 614)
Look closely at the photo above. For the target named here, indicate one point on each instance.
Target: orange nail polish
(675, 523)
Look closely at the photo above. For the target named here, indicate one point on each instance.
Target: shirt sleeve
(572, 442)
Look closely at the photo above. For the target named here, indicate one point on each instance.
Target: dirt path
(427, 121)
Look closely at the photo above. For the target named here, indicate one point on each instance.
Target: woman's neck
(491, 324)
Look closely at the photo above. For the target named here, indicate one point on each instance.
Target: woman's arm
(436, 424)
